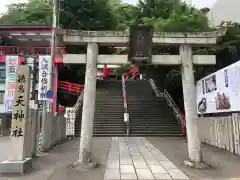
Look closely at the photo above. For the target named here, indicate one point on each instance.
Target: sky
(197, 3)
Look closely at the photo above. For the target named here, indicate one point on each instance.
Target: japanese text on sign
(70, 121)
(20, 101)
(44, 77)
(11, 66)
(31, 62)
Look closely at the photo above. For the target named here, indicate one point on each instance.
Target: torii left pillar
(85, 161)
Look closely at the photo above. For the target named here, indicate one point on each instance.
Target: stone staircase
(109, 110)
(149, 115)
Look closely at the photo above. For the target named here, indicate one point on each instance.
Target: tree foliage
(36, 12)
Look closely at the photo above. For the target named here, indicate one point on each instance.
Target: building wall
(224, 10)
(221, 132)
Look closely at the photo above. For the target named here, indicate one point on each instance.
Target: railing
(79, 101)
(155, 88)
(67, 86)
(126, 115)
(176, 110)
(170, 102)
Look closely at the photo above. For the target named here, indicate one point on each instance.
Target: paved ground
(4, 148)
(137, 158)
(56, 165)
(224, 164)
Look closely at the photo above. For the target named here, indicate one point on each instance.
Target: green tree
(35, 12)
(87, 15)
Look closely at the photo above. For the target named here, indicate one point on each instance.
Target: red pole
(104, 71)
(134, 71)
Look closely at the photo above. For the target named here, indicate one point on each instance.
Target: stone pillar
(189, 94)
(4, 128)
(20, 129)
(85, 155)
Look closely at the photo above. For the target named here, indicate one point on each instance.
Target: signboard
(140, 44)
(70, 121)
(20, 107)
(31, 62)
(45, 71)
(11, 66)
(220, 91)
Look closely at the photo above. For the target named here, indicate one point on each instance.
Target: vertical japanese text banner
(11, 66)
(20, 105)
(70, 121)
(45, 74)
(31, 62)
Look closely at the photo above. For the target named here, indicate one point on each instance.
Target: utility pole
(53, 39)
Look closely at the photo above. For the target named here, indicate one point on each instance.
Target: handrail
(126, 116)
(155, 88)
(79, 101)
(170, 102)
(176, 110)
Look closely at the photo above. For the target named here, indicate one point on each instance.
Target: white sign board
(11, 66)
(45, 73)
(70, 121)
(220, 91)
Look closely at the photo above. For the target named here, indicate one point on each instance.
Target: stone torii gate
(185, 59)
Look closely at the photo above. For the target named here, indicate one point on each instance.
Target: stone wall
(222, 132)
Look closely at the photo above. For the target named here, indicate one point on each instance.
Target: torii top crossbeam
(121, 37)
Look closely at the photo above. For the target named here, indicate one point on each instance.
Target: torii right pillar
(189, 94)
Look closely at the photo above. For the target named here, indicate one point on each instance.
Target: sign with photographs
(45, 71)
(220, 91)
(70, 121)
(140, 44)
(11, 66)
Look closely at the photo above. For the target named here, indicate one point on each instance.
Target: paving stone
(177, 174)
(127, 169)
(126, 161)
(157, 169)
(140, 164)
(112, 174)
(112, 165)
(167, 165)
(129, 176)
(152, 162)
(137, 158)
(162, 176)
(144, 174)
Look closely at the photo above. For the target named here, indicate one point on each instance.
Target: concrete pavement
(134, 154)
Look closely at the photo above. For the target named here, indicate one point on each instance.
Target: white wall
(224, 10)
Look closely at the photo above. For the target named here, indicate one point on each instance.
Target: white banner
(45, 73)
(10, 83)
(31, 61)
(70, 121)
(220, 91)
